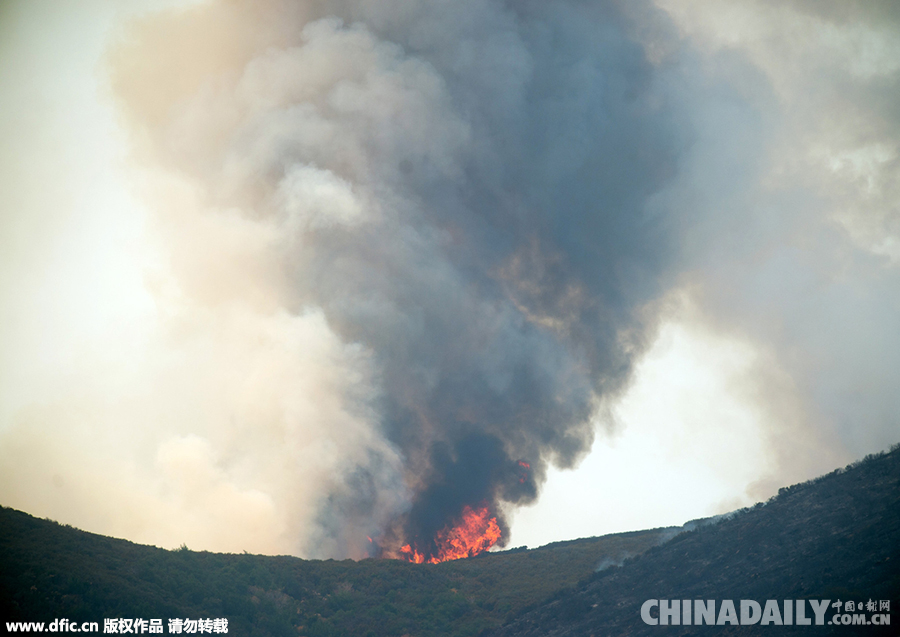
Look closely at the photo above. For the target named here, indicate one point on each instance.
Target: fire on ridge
(476, 532)
(458, 514)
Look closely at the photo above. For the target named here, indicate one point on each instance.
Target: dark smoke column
(462, 188)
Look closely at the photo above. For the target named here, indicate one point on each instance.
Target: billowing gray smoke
(460, 187)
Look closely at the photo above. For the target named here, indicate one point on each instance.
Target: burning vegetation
(458, 513)
(476, 532)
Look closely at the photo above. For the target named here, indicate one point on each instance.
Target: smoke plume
(458, 188)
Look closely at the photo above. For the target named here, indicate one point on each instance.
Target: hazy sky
(258, 261)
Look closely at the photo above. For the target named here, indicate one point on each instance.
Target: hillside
(836, 537)
(50, 571)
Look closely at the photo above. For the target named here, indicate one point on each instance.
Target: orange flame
(525, 468)
(476, 532)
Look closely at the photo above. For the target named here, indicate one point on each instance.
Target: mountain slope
(50, 571)
(836, 537)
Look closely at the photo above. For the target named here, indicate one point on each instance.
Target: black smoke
(463, 189)
(514, 289)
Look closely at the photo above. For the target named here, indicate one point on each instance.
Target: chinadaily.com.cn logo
(746, 612)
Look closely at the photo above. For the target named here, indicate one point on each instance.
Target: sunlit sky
(80, 268)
